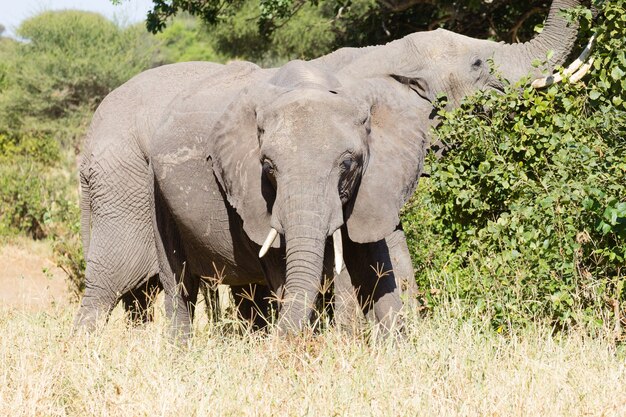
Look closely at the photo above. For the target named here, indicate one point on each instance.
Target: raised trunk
(516, 60)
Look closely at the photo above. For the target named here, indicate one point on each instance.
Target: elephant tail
(85, 212)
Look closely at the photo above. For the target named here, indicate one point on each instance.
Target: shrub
(70, 62)
(49, 87)
(186, 39)
(528, 212)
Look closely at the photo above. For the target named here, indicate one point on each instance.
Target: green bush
(37, 200)
(24, 199)
(70, 62)
(526, 217)
(187, 39)
(308, 34)
(49, 86)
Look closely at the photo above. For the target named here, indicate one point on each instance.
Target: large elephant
(134, 237)
(298, 153)
(239, 152)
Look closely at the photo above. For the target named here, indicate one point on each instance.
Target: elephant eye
(268, 167)
(269, 171)
(349, 176)
(346, 164)
(477, 63)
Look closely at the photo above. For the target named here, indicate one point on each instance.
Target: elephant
(188, 167)
(288, 157)
(116, 199)
(136, 220)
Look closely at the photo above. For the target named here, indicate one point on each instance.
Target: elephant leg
(347, 312)
(138, 302)
(95, 306)
(180, 287)
(273, 266)
(181, 293)
(120, 253)
(253, 304)
(402, 266)
(114, 268)
(372, 273)
(211, 300)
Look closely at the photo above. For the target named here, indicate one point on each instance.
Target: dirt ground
(29, 280)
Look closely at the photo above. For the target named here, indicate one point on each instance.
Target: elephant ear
(397, 143)
(235, 158)
(419, 84)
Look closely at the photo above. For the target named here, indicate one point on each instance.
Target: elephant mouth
(496, 85)
(337, 247)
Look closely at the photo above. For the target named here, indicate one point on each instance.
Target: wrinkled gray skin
(337, 142)
(288, 153)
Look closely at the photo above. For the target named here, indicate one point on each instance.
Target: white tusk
(547, 81)
(338, 246)
(574, 66)
(271, 237)
(582, 58)
(578, 75)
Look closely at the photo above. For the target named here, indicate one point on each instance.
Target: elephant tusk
(338, 246)
(271, 237)
(582, 58)
(578, 75)
(547, 81)
(573, 68)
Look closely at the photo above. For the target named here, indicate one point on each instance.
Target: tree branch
(402, 5)
(516, 27)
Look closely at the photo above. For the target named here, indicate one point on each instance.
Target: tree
(71, 61)
(361, 22)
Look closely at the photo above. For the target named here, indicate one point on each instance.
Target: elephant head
(302, 159)
(441, 62)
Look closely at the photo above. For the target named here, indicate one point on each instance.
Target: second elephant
(241, 153)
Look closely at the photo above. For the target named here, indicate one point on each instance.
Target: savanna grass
(444, 367)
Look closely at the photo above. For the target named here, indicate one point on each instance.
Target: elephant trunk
(516, 60)
(306, 226)
(305, 258)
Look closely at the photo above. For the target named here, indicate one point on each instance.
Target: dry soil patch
(29, 279)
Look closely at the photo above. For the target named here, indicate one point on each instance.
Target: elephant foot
(179, 310)
(90, 318)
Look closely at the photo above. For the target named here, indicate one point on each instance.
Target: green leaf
(617, 73)
(595, 94)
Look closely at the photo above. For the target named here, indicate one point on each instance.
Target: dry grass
(445, 367)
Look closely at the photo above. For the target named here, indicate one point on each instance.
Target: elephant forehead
(307, 136)
(307, 110)
(311, 121)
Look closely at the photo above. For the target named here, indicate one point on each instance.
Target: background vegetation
(523, 220)
(526, 215)
(365, 22)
